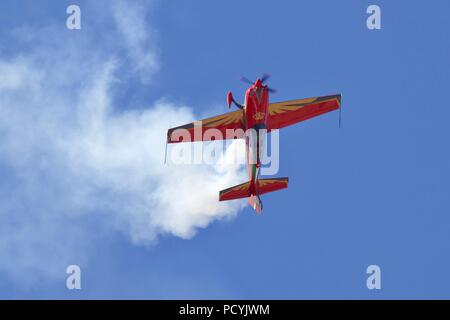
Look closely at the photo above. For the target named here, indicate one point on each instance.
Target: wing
(215, 128)
(283, 114)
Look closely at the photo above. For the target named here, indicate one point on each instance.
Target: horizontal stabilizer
(237, 192)
(247, 190)
(269, 185)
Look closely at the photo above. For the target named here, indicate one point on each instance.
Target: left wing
(283, 114)
(198, 131)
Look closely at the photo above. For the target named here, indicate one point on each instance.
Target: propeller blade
(272, 90)
(265, 77)
(244, 79)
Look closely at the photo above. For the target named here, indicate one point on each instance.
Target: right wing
(283, 114)
(203, 130)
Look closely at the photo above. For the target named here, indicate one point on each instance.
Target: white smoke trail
(74, 165)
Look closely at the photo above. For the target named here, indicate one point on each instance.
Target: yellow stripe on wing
(224, 119)
(293, 105)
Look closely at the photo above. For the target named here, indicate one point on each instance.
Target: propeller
(264, 78)
(244, 79)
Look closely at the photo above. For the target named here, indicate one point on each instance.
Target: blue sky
(373, 192)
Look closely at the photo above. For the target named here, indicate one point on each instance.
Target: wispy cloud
(74, 165)
(139, 41)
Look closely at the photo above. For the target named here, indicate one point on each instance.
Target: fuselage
(256, 115)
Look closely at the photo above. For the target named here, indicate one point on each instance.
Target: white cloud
(75, 165)
(138, 40)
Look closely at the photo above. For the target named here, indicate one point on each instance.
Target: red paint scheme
(256, 117)
(257, 114)
(256, 105)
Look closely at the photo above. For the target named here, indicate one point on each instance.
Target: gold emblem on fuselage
(259, 116)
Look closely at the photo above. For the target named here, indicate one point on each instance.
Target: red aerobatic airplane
(257, 113)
